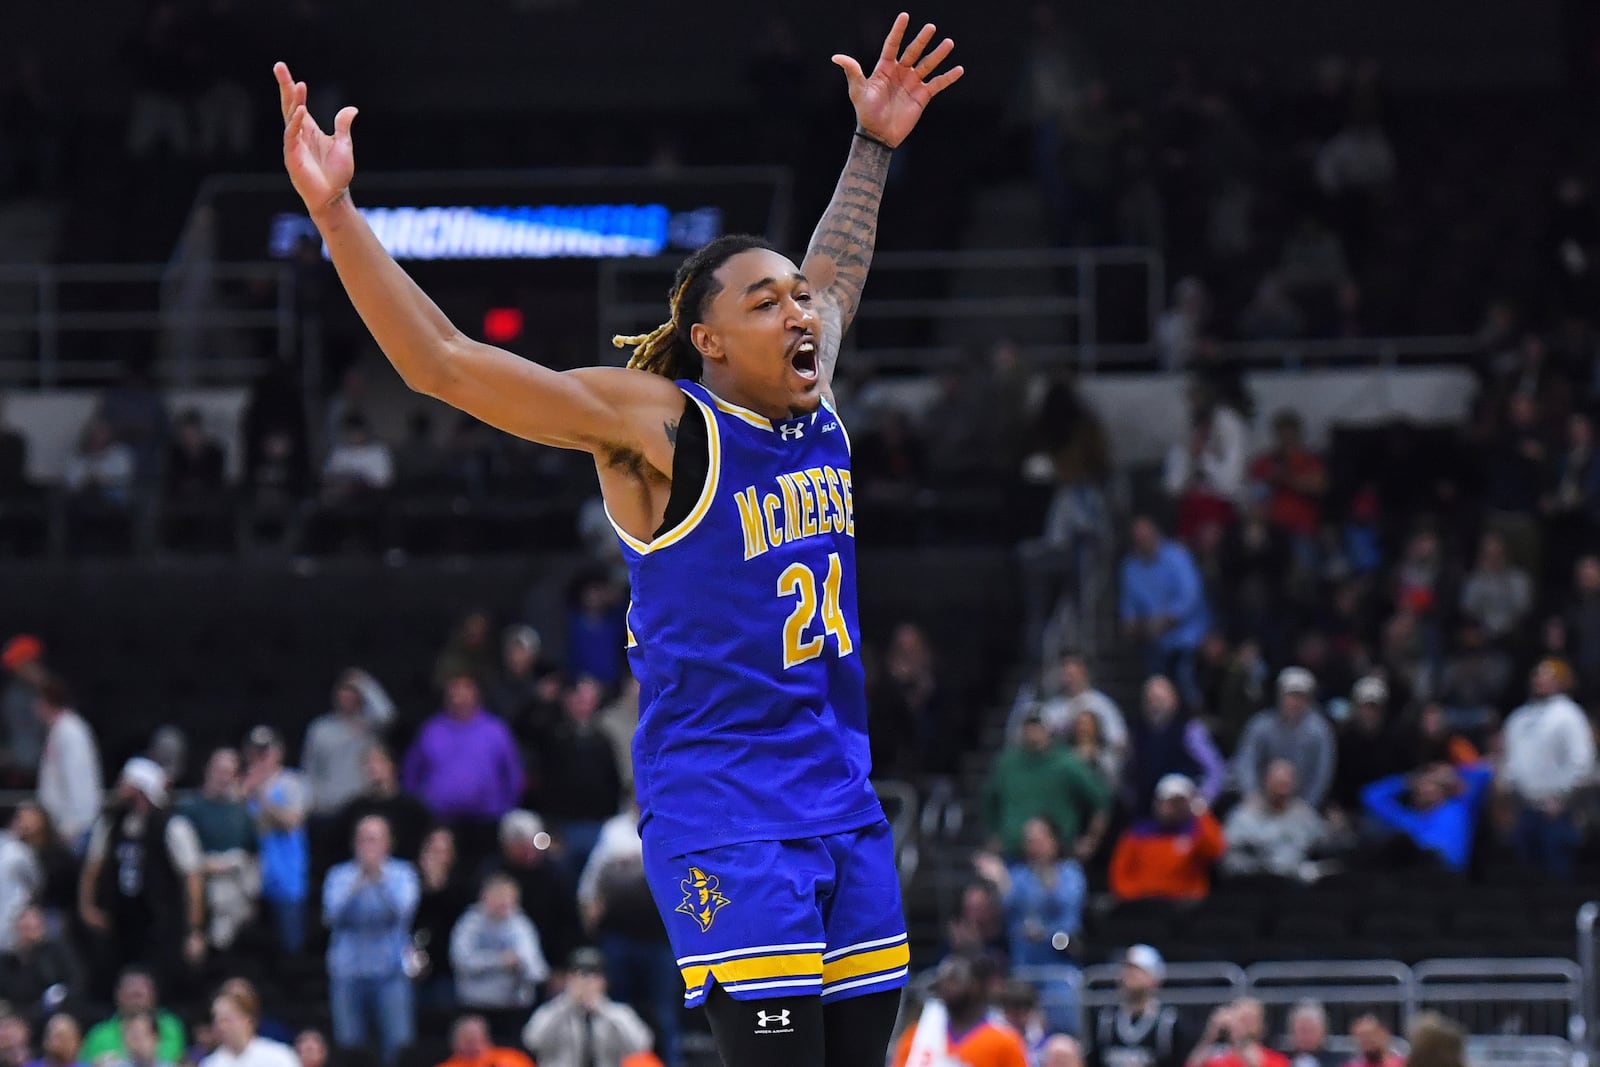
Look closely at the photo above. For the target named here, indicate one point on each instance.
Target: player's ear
(705, 341)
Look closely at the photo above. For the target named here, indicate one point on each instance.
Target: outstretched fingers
(931, 61)
(913, 50)
(891, 43)
(852, 70)
(280, 71)
(944, 81)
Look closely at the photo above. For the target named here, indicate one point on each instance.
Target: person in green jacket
(136, 992)
(1038, 777)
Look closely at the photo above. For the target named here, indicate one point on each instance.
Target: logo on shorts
(701, 897)
(773, 1022)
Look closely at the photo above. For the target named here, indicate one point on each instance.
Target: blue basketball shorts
(779, 918)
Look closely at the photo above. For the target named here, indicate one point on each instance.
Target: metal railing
(64, 302)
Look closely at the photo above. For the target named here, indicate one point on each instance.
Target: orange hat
(21, 649)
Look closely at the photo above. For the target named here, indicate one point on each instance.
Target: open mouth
(804, 359)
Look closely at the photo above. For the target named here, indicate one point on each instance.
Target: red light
(502, 325)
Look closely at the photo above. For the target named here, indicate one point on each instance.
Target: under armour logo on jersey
(792, 431)
(773, 1022)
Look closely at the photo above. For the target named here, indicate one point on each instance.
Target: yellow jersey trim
(801, 965)
(759, 421)
(883, 959)
(701, 507)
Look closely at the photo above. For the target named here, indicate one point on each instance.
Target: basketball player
(726, 472)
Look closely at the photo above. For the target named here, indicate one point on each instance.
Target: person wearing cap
(1139, 1030)
(1293, 730)
(546, 889)
(69, 769)
(145, 904)
(1035, 777)
(1168, 856)
(1273, 832)
(583, 1027)
(23, 660)
(1368, 746)
(278, 799)
(1163, 606)
(1549, 755)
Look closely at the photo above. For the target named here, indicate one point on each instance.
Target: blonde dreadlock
(667, 349)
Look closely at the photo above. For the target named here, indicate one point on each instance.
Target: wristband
(865, 136)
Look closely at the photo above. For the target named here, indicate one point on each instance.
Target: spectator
(141, 1043)
(970, 1037)
(1435, 1041)
(580, 786)
(495, 953)
(1166, 741)
(1273, 832)
(1308, 1037)
(525, 692)
(1077, 695)
(146, 903)
(1549, 753)
(1475, 678)
(227, 836)
(978, 928)
(1232, 1038)
(69, 769)
(467, 653)
(1019, 1009)
(1271, 314)
(358, 465)
(135, 995)
(1206, 473)
(1571, 503)
(1373, 1048)
(1183, 324)
(102, 472)
(582, 1027)
(618, 720)
(1043, 897)
(38, 973)
(278, 798)
(547, 892)
(405, 815)
(194, 471)
(235, 1014)
(470, 1047)
(597, 629)
(1293, 731)
(1368, 748)
(1139, 1031)
(311, 1048)
(22, 873)
(335, 753)
(1583, 624)
(1060, 1050)
(62, 1045)
(1295, 480)
(276, 484)
(1085, 742)
(1170, 855)
(1036, 778)
(15, 1040)
(1436, 742)
(368, 904)
(135, 411)
(620, 913)
(445, 895)
(23, 659)
(1435, 807)
(464, 765)
(1163, 606)
(912, 735)
(1495, 594)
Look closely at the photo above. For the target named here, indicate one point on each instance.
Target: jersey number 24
(798, 580)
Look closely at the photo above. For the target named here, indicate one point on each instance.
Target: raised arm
(603, 410)
(888, 104)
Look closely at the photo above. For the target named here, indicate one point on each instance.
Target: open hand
(890, 101)
(320, 166)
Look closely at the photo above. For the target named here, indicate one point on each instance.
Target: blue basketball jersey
(742, 632)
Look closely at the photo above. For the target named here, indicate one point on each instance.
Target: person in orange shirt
(1168, 856)
(973, 1040)
(470, 1047)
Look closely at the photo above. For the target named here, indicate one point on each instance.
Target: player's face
(762, 327)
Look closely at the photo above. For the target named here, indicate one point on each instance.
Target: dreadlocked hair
(667, 349)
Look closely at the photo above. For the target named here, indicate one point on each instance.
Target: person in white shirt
(582, 1027)
(358, 463)
(1205, 473)
(70, 785)
(234, 1014)
(1549, 754)
(498, 961)
(1078, 695)
(21, 874)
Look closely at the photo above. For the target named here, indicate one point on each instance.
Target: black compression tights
(802, 1031)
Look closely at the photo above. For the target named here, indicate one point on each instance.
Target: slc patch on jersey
(701, 898)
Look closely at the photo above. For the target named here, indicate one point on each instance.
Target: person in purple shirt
(1163, 606)
(464, 764)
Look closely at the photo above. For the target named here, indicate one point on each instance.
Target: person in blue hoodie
(1436, 807)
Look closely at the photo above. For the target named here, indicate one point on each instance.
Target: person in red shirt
(470, 1047)
(1233, 1038)
(1169, 855)
(1294, 478)
(973, 1040)
(1373, 1044)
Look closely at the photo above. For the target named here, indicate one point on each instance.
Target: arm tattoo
(845, 238)
(672, 432)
